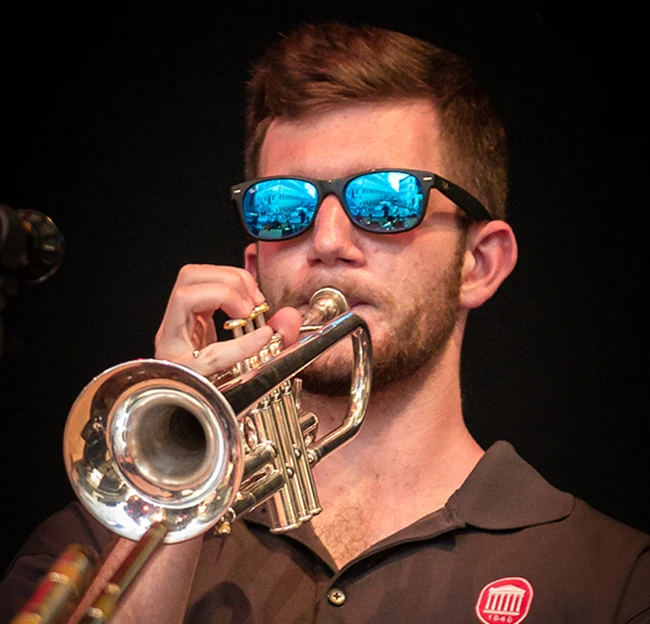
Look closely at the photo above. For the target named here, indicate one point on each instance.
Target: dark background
(127, 130)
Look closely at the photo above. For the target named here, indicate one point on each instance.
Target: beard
(415, 332)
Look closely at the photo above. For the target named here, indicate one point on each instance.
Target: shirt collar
(505, 492)
(502, 492)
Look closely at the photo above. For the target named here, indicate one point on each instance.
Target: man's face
(404, 285)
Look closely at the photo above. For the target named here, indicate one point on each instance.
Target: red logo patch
(506, 600)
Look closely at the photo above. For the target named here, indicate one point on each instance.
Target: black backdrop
(127, 130)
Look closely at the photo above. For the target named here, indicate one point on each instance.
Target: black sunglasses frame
(459, 196)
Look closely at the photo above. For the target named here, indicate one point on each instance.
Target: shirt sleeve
(72, 525)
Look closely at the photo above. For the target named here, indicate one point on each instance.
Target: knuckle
(180, 296)
(214, 359)
(239, 282)
(185, 273)
(244, 277)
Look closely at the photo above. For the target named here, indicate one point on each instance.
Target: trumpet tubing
(151, 441)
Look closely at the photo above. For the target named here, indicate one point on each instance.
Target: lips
(357, 303)
(352, 303)
(358, 294)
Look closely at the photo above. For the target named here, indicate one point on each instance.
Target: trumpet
(160, 454)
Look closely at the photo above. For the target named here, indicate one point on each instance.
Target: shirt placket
(339, 600)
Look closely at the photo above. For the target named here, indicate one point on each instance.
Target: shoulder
(595, 525)
(519, 525)
(613, 554)
(605, 547)
(73, 524)
(505, 493)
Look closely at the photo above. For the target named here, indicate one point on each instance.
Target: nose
(333, 237)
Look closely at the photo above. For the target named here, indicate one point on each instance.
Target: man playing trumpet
(376, 165)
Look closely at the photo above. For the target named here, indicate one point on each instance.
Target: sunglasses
(382, 201)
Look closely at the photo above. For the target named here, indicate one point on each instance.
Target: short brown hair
(319, 68)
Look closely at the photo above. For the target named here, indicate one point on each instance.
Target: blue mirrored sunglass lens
(385, 201)
(276, 209)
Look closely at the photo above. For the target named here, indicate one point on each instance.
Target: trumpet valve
(241, 326)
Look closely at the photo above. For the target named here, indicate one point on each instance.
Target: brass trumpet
(160, 454)
(152, 441)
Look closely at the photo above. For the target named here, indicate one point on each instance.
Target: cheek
(273, 254)
(389, 243)
(277, 262)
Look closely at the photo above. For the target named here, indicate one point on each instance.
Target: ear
(250, 259)
(490, 256)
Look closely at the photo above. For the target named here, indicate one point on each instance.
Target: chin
(331, 373)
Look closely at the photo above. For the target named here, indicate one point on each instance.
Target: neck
(413, 440)
(413, 436)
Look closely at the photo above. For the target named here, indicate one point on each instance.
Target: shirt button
(336, 596)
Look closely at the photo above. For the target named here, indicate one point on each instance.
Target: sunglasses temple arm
(464, 200)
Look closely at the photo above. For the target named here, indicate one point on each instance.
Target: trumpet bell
(150, 441)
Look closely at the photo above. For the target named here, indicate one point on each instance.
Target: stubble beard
(416, 337)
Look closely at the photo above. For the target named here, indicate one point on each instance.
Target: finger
(205, 331)
(286, 322)
(219, 356)
(187, 305)
(208, 297)
(237, 278)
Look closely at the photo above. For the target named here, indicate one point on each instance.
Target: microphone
(31, 246)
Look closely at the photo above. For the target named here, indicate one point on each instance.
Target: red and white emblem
(506, 600)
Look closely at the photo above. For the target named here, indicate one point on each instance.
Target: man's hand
(188, 325)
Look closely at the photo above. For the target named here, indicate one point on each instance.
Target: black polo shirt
(507, 547)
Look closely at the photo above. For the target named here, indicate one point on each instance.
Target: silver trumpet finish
(150, 441)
